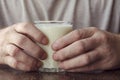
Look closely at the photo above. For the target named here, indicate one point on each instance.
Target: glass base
(51, 70)
(58, 70)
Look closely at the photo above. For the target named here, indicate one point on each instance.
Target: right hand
(18, 47)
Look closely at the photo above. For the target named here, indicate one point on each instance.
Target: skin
(18, 47)
(88, 49)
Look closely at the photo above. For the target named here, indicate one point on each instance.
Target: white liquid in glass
(53, 31)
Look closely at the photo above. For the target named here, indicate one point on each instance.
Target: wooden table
(10, 74)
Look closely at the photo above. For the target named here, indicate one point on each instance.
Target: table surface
(7, 73)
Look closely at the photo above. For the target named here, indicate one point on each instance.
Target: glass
(53, 30)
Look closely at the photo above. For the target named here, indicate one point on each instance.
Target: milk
(53, 31)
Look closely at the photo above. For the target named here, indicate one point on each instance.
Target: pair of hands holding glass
(81, 50)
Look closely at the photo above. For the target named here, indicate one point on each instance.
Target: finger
(94, 68)
(72, 37)
(20, 56)
(12, 62)
(75, 49)
(27, 45)
(80, 61)
(31, 31)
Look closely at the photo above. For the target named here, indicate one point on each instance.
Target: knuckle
(76, 34)
(80, 47)
(21, 40)
(13, 50)
(22, 26)
(103, 36)
(94, 28)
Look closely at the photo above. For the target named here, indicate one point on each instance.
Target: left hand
(88, 49)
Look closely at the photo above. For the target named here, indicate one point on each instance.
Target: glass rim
(49, 22)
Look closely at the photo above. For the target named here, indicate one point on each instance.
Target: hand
(18, 47)
(88, 49)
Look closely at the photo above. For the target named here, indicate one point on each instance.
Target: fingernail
(44, 56)
(55, 46)
(55, 57)
(44, 41)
